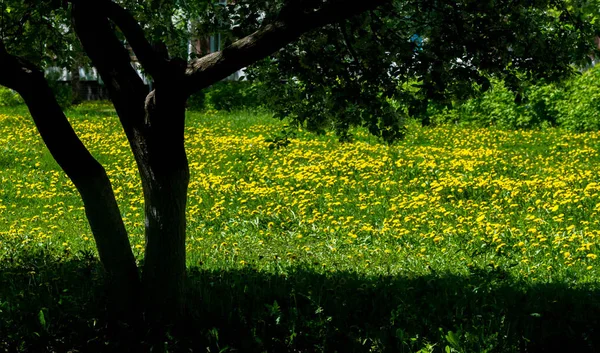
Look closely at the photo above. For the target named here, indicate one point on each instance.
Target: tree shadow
(302, 311)
(305, 311)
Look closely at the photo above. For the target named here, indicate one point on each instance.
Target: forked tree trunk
(153, 123)
(155, 127)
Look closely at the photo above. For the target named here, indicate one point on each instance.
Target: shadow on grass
(57, 305)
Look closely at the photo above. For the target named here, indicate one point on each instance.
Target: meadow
(456, 239)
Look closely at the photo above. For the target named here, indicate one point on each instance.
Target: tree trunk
(95, 189)
(75, 86)
(158, 146)
(153, 123)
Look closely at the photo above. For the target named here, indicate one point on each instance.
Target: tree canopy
(372, 70)
(376, 69)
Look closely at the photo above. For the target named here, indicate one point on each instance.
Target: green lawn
(454, 240)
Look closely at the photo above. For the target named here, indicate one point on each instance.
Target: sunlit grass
(444, 200)
(454, 240)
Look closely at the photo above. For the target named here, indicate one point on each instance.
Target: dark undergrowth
(50, 304)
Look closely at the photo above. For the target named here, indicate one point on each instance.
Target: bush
(573, 104)
(541, 104)
(495, 107)
(232, 95)
(226, 95)
(9, 98)
(579, 110)
(197, 101)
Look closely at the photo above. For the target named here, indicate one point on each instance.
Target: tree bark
(162, 162)
(99, 201)
(154, 125)
(75, 86)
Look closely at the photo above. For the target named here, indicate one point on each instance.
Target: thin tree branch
(350, 48)
(152, 61)
(205, 71)
(111, 59)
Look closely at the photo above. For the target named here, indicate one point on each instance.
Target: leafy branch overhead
(394, 60)
(384, 65)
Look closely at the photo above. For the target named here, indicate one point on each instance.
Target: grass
(453, 240)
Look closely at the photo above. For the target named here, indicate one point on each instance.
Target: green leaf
(453, 339)
(42, 319)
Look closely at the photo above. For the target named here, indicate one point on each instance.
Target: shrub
(197, 101)
(573, 104)
(232, 95)
(445, 115)
(579, 110)
(541, 104)
(227, 96)
(495, 107)
(9, 98)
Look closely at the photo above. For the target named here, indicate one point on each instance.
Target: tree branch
(111, 59)
(350, 48)
(214, 67)
(152, 62)
(13, 70)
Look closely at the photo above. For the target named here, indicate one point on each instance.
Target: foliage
(579, 110)
(232, 95)
(495, 107)
(571, 104)
(344, 75)
(321, 105)
(226, 96)
(9, 97)
(39, 31)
